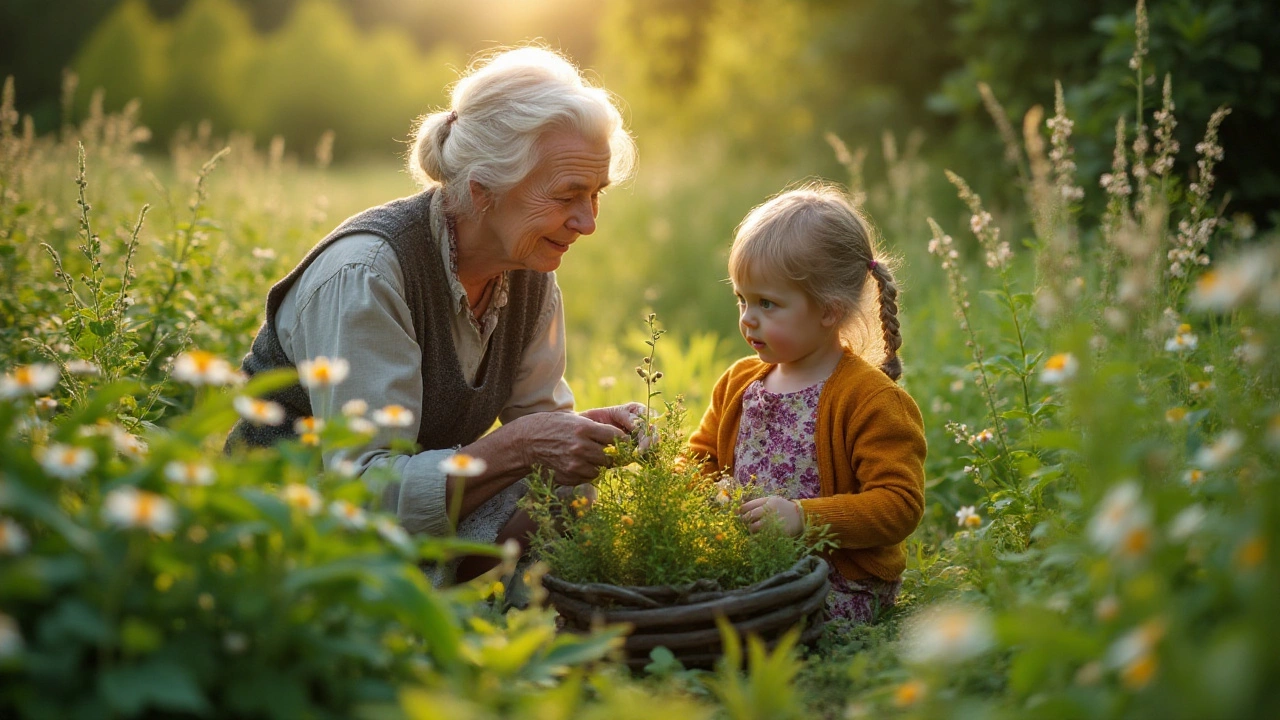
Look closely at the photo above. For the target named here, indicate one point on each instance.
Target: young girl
(832, 438)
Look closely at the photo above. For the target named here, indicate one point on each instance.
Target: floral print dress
(776, 450)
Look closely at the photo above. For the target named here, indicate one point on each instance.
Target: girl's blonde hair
(499, 110)
(814, 237)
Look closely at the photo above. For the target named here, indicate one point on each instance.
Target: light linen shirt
(349, 303)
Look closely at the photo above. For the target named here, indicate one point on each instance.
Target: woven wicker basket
(683, 619)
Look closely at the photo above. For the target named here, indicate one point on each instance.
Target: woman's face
(536, 221)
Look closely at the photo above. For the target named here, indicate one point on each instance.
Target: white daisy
(395, 416)
(984, 436)
(968, 517)
(259, 412)
(323, 371)
(1218, 453)
(391, 531)
(128, 444)
(46, 404)
(947, 634)
(305, 425)
(348, 514)
(83, 368)
(200, 367)
(462, 465)
(355, 408)
(66, 461)
(1120, 514)
(1186, 523)
(35, 379)
(362, 426)
(1183, 341)
(302, 497)
(129, 507)
(13, 539)
(188, 473)
(1059, 369)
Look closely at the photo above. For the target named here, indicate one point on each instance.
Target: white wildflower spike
(462, 465)
(1059, 369)
(968, 517)
(66, 461)
(391, 531)
(1183, 341)
(83, 368)
(355, 408)
(259, 412)
(947, 634)
(348, 514)
(35, 379)
(129, 508)
(1220, 451)
(305, 425)
(200, 367)
(302, 498)
(13, 539)
(393, 416)
(323, 372)
(188, 473)
(10, 637)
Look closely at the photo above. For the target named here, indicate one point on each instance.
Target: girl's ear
(832, 315)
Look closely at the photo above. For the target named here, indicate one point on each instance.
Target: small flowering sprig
(1195, 230)
(943, 246)
(646, 369)
(1062, 154)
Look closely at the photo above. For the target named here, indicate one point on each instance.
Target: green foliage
(316, 74)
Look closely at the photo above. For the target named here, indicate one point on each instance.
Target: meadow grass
(1099, 394)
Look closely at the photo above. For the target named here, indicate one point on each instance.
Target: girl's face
(536, 221)
(782, 323)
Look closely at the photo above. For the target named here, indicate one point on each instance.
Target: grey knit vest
(453, 411)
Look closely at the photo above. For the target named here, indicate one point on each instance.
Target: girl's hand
(754, 512)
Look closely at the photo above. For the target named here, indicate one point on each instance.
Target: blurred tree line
(764, 78)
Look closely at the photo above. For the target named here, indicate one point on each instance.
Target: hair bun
(427, 162)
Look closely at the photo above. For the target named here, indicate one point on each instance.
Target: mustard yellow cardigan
(871, 450)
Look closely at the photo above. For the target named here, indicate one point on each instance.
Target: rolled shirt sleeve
(349, 303)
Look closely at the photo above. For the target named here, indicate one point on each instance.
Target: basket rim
(648, 596)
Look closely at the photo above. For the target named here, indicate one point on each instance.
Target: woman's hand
(629, 417)
(570, 445)
(754, 512)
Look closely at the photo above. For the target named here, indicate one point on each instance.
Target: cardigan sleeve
(703, 442)
(885, 438)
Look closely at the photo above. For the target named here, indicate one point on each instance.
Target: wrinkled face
(536, 221)
(779, 321)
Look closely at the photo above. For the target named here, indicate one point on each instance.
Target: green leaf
(156, 684)
(1244, 57)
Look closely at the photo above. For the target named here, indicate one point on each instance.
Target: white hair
(498, 111)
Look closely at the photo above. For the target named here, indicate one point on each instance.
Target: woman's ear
(481, 197)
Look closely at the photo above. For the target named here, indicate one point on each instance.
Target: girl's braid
(888, 319)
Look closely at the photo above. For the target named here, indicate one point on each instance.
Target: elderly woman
(445, 303)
